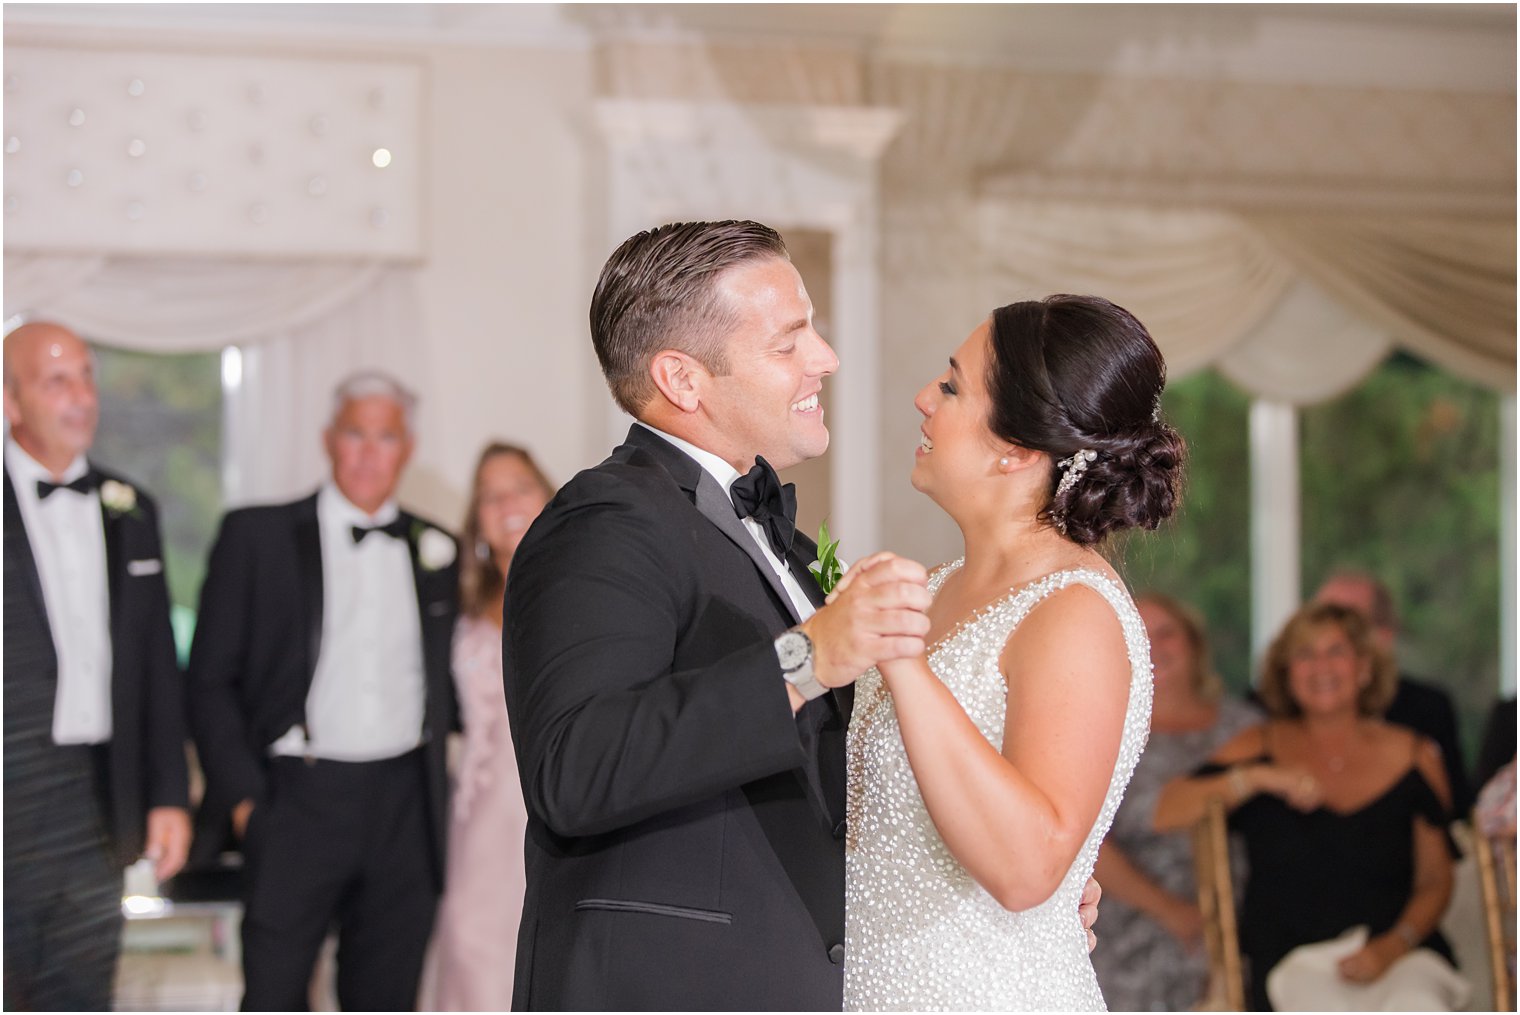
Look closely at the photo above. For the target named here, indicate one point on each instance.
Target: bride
(983, 776)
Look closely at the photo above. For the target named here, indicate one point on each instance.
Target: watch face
(792, 650)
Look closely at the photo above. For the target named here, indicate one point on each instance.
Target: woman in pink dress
(476, 936)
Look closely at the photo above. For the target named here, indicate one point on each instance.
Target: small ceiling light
(381, 158)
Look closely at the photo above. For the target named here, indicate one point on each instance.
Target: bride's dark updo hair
(1074, 373)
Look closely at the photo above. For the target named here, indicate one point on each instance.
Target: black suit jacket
(255, 652)
(685, 830)
(147, 749)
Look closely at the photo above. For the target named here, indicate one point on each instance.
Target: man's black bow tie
(84, 484)
(760, 495)
(396, 527)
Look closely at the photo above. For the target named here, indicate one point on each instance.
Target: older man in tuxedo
(320, 698)
(94, 708)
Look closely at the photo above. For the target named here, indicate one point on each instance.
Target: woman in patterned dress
(1152, 957)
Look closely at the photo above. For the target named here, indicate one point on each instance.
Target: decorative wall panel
(111, 151)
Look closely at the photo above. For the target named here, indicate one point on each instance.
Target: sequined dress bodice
(920, 933)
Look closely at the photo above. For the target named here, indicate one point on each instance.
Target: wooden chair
(1216, 899)
(1496, 879)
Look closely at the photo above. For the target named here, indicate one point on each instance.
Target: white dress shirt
(68, 541)
(367, 695)
(726, 474)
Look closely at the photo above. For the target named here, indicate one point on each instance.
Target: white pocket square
(141, 568)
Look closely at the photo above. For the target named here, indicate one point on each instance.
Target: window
(1202, 555)
(161, 426)
(1401, 480)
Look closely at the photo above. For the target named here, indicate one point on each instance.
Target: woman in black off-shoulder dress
(1343, 816)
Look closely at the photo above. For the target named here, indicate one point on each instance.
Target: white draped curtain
(299, 327)
(1289, 236)
(1292, 308)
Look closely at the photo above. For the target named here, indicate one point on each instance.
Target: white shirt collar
(719, 469)
(26, 469)
(337, 509)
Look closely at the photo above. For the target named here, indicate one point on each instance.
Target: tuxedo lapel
(804, 552)
(111, 523)
(15, 536)
(421, 580)
(714, 504)
(308, 539)
(718, 509)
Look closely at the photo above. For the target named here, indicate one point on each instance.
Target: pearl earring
(1003, 463)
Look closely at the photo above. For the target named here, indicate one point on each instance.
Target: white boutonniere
(119, 498)
(827, 569)
(435, 549)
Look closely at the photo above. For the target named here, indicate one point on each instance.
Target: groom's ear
(678, 377)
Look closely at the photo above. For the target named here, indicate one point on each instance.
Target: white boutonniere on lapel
(435, 549)
(118, 498)
(826, 570)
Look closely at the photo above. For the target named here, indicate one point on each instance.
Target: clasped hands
(875, 614)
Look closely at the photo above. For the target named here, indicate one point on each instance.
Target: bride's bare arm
(1016, 819)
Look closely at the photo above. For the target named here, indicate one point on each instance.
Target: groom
(677, 691)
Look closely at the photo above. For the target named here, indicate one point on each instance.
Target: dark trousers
(62, 887)
(345, 843)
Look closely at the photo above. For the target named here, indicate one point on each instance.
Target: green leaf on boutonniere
(826, 570)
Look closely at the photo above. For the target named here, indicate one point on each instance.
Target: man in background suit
(675, 684)
(1420, 706)
(320, 700)
(94, 708)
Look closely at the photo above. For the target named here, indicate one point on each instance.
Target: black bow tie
(84, 484)
(396, 528)
(760, 495)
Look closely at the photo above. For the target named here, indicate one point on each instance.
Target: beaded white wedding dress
(920, 933)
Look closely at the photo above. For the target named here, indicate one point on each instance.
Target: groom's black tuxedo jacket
(685, 831)
(146, 756)
(255, 653)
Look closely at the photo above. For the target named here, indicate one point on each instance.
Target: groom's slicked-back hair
(658, 291)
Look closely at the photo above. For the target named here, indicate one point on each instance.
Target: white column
(1275, 506)
(854, 473)
(1507, 545)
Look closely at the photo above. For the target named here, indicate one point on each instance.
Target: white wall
(508, 275)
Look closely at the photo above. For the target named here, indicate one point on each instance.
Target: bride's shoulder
(1076, 619)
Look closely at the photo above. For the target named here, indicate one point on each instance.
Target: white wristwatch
(794, 651)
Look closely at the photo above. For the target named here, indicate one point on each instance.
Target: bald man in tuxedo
(95, 773)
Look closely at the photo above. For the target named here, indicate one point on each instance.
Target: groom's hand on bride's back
(1087, 910)
(874, 614)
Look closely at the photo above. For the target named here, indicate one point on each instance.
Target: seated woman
(1152, 957)
(1343, 818)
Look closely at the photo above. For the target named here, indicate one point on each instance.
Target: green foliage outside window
(1401, 480)
(161, 426)
(1202, 555)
